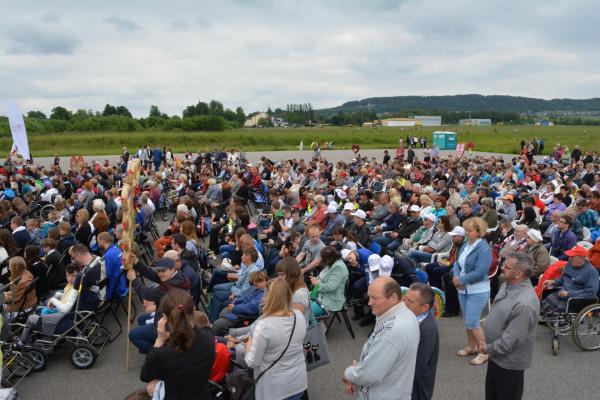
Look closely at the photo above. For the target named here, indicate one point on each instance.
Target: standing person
(274, 348)
(183, 354)
(510, 330)
(419, 299)
(157, 157)
(471, 279)
(387, 362)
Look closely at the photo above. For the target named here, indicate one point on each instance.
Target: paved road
(253, 157)
(571, 375)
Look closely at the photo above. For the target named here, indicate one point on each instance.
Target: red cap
(577, 251)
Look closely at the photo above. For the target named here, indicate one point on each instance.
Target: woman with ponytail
(183, 354)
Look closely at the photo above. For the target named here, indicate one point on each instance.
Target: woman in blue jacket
(471, 280)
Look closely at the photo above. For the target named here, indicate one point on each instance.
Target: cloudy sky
(256, 53)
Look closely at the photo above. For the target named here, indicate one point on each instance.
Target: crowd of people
(257, 255)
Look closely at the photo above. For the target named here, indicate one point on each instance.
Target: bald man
(387, 362)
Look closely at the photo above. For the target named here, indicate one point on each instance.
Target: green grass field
(502, 139)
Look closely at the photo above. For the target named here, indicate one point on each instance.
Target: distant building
(544, 122)
(398, 122)
(367, 124)
(428, 120)
(253, 121)
(475, 122)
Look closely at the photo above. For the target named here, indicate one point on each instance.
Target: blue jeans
(387, 242)
(219, 300)
(143, 337)
(218, 277)
(295, 397)
(226, 250)
(419, 256)
(144, 318)
(471, 305)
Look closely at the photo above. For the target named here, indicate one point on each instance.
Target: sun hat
(360, 214)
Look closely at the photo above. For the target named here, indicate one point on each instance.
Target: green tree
(109, 110)
(265, 123)
(123, 111)
(240, 116)
(36, 114)
(154, 111)
(60, 113)
(216, 107)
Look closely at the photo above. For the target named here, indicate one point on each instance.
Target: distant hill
(466, 102)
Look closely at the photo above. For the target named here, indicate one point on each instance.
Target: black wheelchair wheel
(83, 356)
(39, 357)
(586, 328)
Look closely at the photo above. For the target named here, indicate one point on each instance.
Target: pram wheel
(20, 365)
(555, 346)
(83, 356)
(39, 357)
(99, 336)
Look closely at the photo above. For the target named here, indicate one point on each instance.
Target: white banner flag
(17, 128)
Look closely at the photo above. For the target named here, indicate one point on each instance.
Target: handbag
(316, 353)
(241, 382)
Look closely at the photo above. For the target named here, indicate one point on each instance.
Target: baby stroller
(78, 328)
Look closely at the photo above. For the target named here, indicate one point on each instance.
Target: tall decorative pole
(130, 183)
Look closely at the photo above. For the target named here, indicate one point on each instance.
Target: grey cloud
(122, 24)
(50, 18)
(35, 41)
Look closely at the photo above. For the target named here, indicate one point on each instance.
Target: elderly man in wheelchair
(570, 302)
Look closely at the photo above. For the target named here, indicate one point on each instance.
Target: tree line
(202, 116)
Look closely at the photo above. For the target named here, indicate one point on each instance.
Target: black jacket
(427, 358)
(55, 272)
(185, 374)
(156, 292)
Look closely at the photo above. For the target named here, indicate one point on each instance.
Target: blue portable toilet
(445, 140)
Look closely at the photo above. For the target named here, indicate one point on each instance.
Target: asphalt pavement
(253, 157)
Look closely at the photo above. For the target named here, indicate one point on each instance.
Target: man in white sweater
(387, 362)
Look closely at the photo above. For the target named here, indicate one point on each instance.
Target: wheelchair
(84, 333)
(580, 320)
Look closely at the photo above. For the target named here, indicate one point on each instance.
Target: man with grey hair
(387, 362)
(509, 330)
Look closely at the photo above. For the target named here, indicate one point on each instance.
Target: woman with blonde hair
(471, 280)
(83, 233)
(17, 298)
(275, 347)
(289, 269)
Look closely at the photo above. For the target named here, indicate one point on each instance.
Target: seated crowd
(271, 249)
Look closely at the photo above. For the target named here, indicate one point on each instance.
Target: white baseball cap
(386, 265)
(457, 231)
(349, 206)
(341, 193)
(374, 262)
(431, 217)
(535, 235)
(415, 208)
(331, 209)
(345, 253)
(360, 214)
